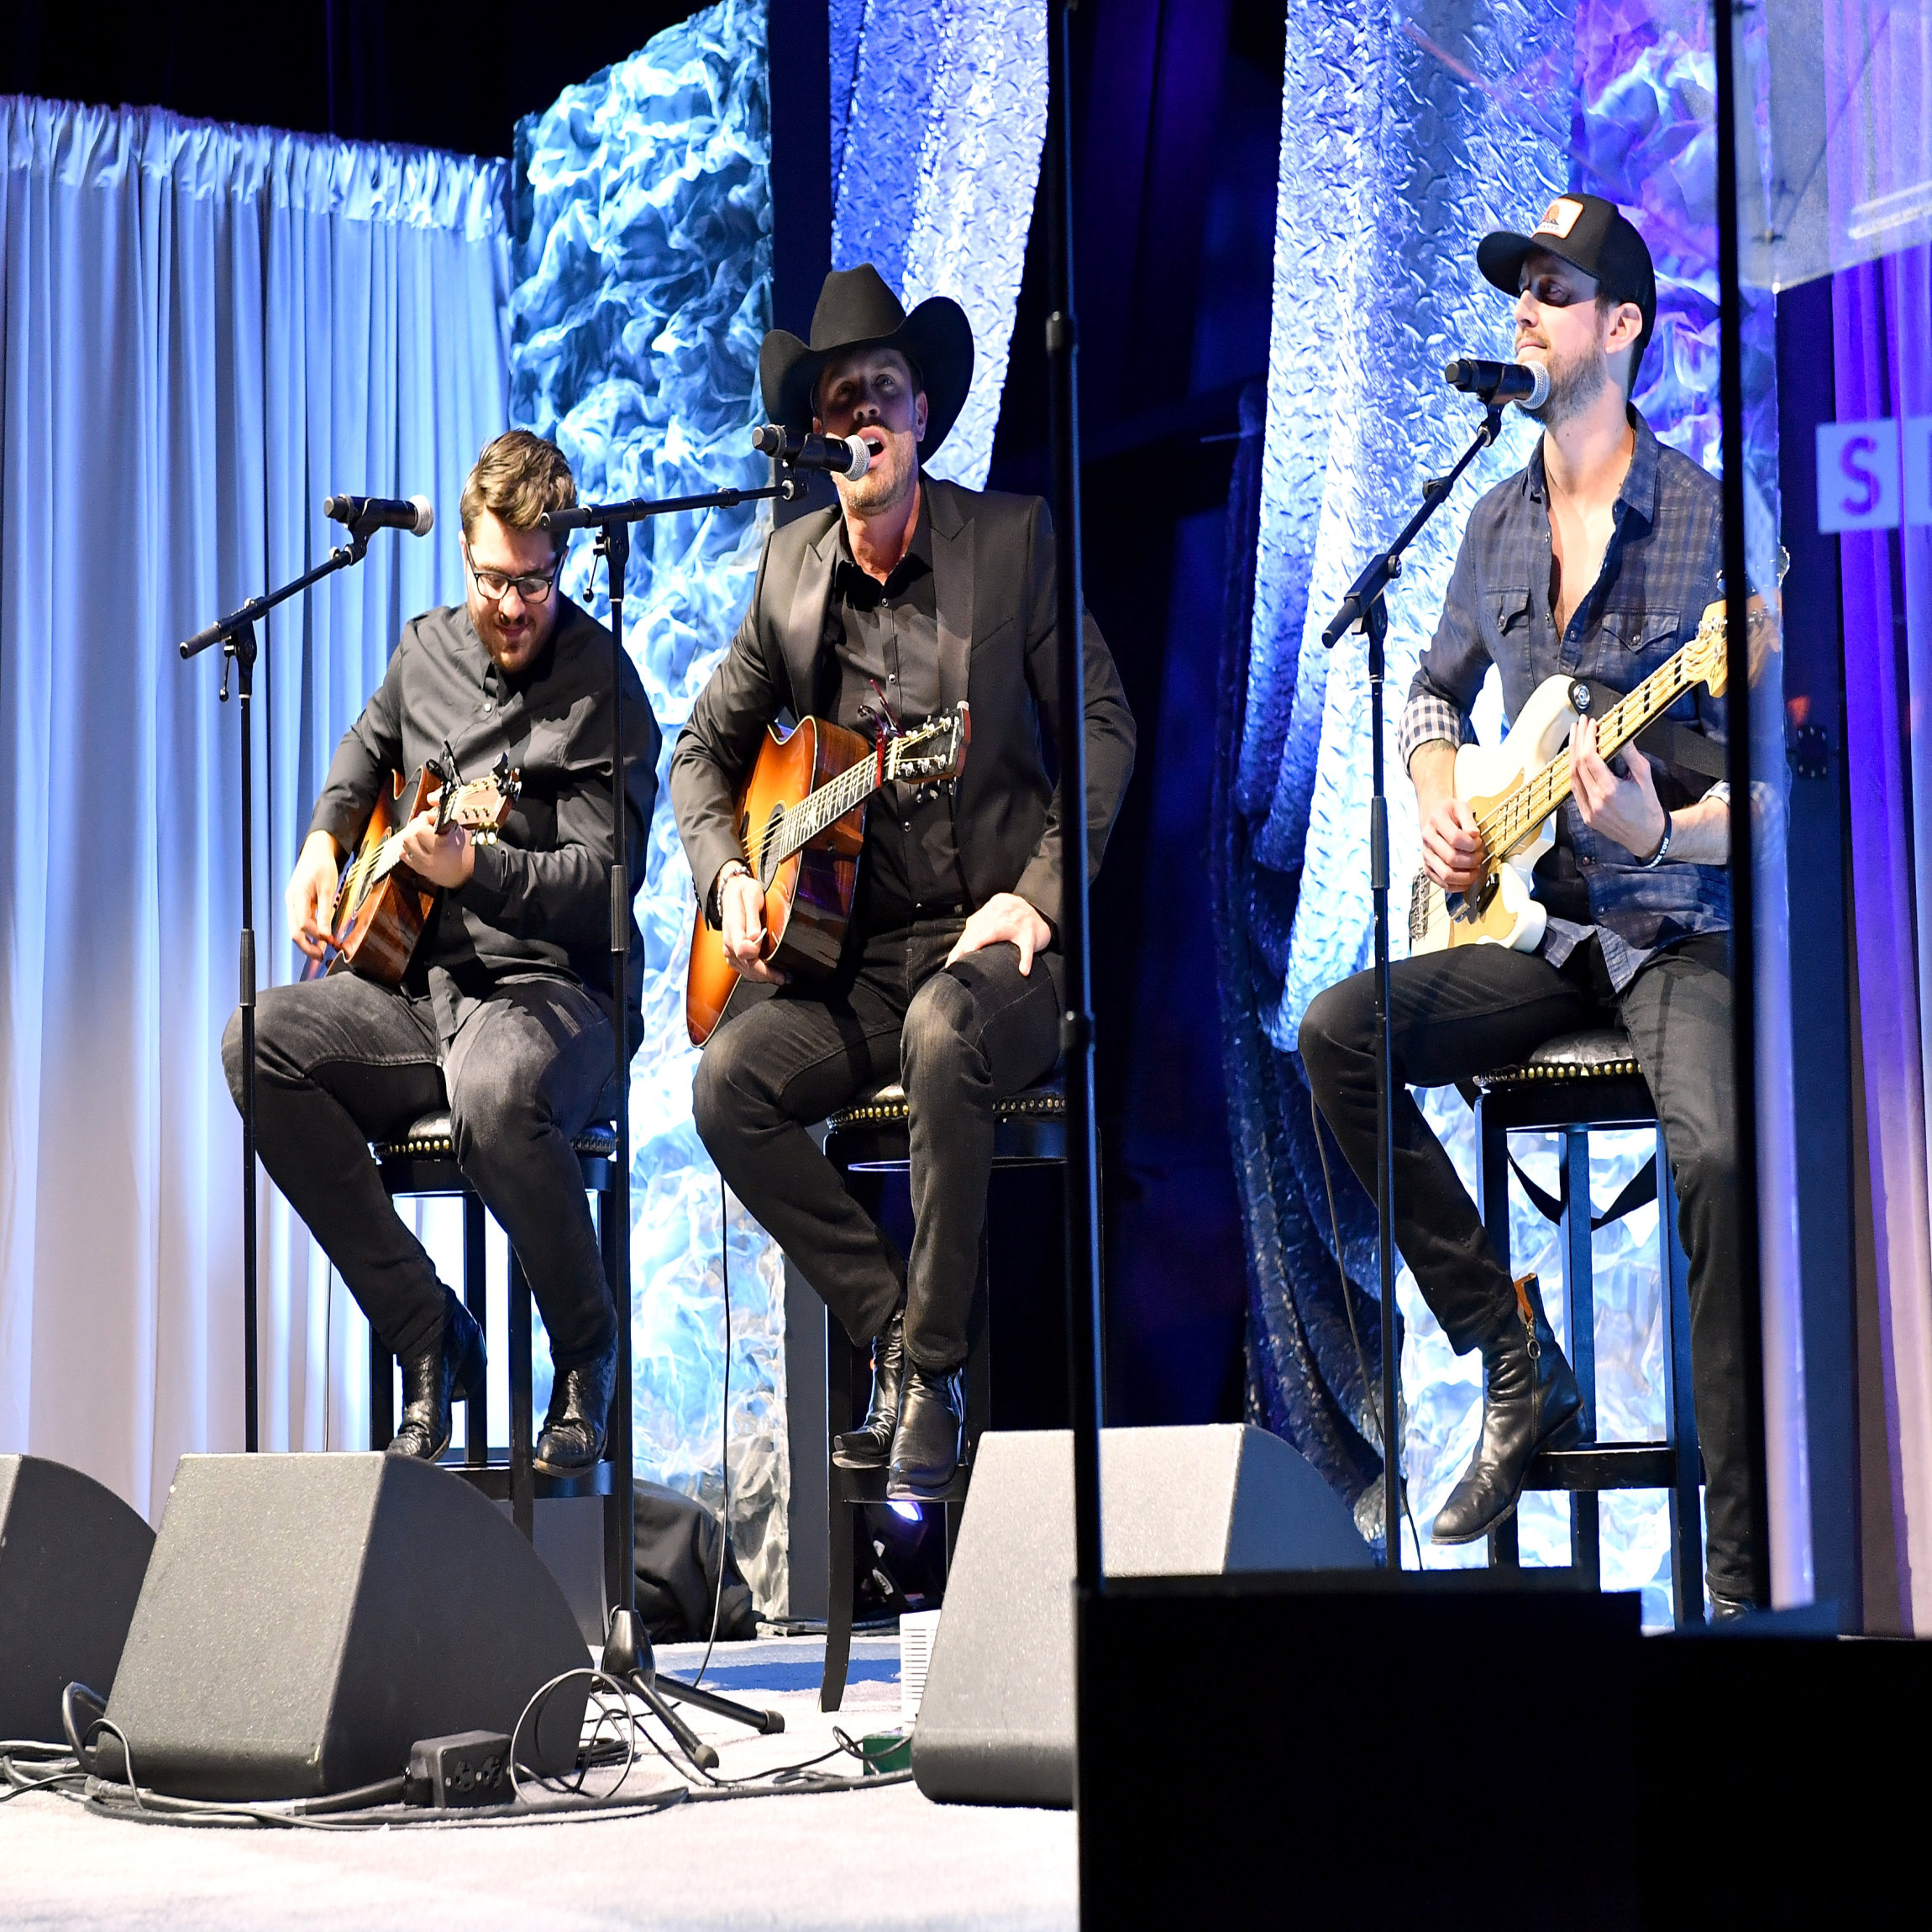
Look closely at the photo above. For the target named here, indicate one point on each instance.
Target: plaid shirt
(1662, 567)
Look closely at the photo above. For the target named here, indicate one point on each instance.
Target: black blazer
(994, 576)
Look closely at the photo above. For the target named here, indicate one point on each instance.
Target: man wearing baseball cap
(1595, 561)
(912, 595)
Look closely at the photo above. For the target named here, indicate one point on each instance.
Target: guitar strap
(1689, 753)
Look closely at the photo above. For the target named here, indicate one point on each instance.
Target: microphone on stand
(847, 456)
(1525, 384)
(417, 516)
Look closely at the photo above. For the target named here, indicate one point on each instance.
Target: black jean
(1455, 1015)
(342, 1061)
(959, 1037)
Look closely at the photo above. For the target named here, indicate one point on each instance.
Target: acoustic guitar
(1513, 790)
(381, 906)
(801, 824)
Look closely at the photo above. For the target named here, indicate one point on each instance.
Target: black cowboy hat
(856, 310)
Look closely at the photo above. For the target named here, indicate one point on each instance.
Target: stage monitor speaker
(306, 1619)
(995, 1725)
(72, 1554)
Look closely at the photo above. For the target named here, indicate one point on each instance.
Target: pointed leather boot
(446, 1371)
(870, 1446)
(573, 1437)
(1530, 1402)
(931, 1435)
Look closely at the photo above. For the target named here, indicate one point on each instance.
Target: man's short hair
(516, 479)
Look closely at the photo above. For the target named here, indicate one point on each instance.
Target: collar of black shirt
(863, 592)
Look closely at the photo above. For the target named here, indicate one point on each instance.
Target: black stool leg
(522, 1475)
(1579, 1292)
(619, 1548)
(382, 1393)
(477, 1300)
(1493, 1179)
(1680, 1416)
(838, 1353)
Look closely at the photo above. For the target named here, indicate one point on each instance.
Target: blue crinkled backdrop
(1407, 134)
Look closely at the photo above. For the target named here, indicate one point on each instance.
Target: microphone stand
(235, 634)
(1364, 606)
(627, 1655)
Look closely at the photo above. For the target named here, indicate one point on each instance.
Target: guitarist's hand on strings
(1005, 919)
(310, 897)
(741, 906)
(444, 858)
(1624, 808)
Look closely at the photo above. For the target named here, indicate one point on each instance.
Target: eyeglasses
(496, 585)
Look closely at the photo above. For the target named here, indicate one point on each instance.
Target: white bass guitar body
(1500, 910)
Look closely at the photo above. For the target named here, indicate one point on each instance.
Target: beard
(888, 483)
(1575, 382)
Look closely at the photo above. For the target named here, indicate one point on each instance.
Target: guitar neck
(1521, 814)
(815, 813)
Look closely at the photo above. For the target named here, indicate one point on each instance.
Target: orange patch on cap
(1563, 215)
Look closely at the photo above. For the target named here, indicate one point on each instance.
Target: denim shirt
(1662, 567)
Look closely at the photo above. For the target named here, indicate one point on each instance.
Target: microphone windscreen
(425, 517)
(861, 458)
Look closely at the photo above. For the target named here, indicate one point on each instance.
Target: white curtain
(204, 330)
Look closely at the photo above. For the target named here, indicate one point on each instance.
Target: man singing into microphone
(1596, 561)
(913, 594)
(505, 1013)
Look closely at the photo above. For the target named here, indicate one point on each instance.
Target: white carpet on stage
(863, 1857)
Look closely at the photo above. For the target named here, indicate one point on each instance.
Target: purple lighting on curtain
(1881, 316)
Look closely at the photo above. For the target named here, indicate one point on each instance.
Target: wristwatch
(1662, 851)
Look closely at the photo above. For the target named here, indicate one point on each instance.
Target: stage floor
(879, 1856)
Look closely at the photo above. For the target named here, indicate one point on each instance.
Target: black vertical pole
(1375, 623)
(615, 541)
(242, 648)
(1077, 1021)
(1738, 703)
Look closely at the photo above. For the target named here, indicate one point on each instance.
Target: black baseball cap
(1592, 234)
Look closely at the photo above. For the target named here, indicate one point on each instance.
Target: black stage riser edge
(306, 1619)
(1556, 1768)
(996, 1720)
(72, 1556)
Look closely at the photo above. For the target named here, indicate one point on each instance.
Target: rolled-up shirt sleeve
(1451, 670)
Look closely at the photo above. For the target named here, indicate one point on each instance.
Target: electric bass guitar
(1513, 790)
(381, 906)
(801, 823)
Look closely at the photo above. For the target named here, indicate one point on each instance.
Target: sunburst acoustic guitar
(801, 823)
(381, 906)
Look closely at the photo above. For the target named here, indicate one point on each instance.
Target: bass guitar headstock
(931, 753)
(1707, 652)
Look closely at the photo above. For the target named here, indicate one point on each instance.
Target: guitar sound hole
(768, 866)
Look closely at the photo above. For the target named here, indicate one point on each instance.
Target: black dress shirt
(884, 639)
(539, 902)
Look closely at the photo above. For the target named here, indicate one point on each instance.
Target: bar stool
(1575, 1085)
(873, 1135)
(423, 1162)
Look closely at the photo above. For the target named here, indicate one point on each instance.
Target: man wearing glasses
(505, 1012)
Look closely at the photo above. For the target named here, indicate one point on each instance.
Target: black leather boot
(931, 1436)
(1530, 1401)
(448, 1369)
(869, 1447)
(573, 1437)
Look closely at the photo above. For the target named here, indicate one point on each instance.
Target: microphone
(1525, 384)
(846, 456)
(417, 516)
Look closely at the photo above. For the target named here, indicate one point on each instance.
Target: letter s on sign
(1858, 479)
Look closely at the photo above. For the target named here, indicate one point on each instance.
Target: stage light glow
(909, 1511)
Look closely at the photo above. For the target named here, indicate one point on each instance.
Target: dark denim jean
(1456, 1015)
(342, 1061)
(960, 1038)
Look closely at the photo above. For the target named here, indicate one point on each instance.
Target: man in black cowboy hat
(913, 594)
(1595, 561)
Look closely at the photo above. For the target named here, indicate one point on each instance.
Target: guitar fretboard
(1516, 819)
